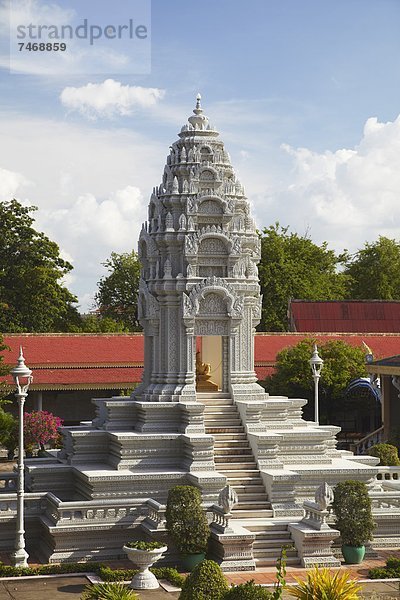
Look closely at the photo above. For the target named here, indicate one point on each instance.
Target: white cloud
(109, 98)
(87, 184)
(11, 183)
(344, 197)
(91, 228)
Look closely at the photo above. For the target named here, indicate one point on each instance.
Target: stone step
(233, 444)
(219, 429)
(253, 505)
(230, 437)
(271, 542)
(235, 459)
(264, 529)
(256, 487)
(220, 410)
(232, 452)
(204, 396)
(271, 561)
(222, 422)
(236, 466)
(238, 476)
(275, 551)
(265, 513)
(223, 403)
(252, 497)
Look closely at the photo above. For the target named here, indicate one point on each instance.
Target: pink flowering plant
(40, 428)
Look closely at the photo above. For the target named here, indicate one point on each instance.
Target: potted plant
(143, 555)
(187, 524)
(353, 518)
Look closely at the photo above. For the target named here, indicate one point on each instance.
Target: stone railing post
(231, 544)
(313, 537)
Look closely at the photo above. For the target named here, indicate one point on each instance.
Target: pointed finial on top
(198, 110)
(21, 359)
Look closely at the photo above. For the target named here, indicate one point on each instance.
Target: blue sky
(305, 94)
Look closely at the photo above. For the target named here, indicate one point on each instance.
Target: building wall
(72, 406)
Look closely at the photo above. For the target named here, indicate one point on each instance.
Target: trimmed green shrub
(393, 563)
(205, 582)
(106, 573)
(108, 591)
(186, 521)
(390, 571)
(140, 545)
(247, 591)
(387, 454)
(383, 573)
(353, 514)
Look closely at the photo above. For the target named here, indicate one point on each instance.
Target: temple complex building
(199, 415)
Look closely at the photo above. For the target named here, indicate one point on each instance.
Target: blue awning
(362, 387)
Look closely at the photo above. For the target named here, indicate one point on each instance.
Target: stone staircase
(234, 459)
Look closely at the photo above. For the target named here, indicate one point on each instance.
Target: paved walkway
(62, 588)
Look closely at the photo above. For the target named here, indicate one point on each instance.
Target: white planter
(143, 559)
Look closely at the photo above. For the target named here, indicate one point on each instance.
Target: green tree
(116, 297)
(31, 296)
(94, 323)
(292, 266)
(292, 377)
(374, 271)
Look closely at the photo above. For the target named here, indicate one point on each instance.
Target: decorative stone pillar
(312, 536)
(231, 545)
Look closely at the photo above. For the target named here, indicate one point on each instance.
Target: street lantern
(316, 364)
(22, 378)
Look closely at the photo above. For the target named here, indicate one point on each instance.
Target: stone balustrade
(8, 481)
(384, 501)
(155, 518)
(388, 473)
(126, 509)
(34, 504)
(220, 519)
(315, 516)
(362, 446)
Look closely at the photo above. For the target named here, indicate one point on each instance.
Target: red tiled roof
(106, 361)
(76, 349)
(89, 378)
(373, 316)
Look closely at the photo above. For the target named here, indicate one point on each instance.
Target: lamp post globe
(316, 364)
(22, 376)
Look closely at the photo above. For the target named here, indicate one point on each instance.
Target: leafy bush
(108, 591)
(186, 521)
(140, 545)
(247, 591)
(106, 573)
(8, 424)
(40, 427)
(353, 514)
(393, 563)
(205, 582)
(387, 454)
(390, 571)
(321, 584)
